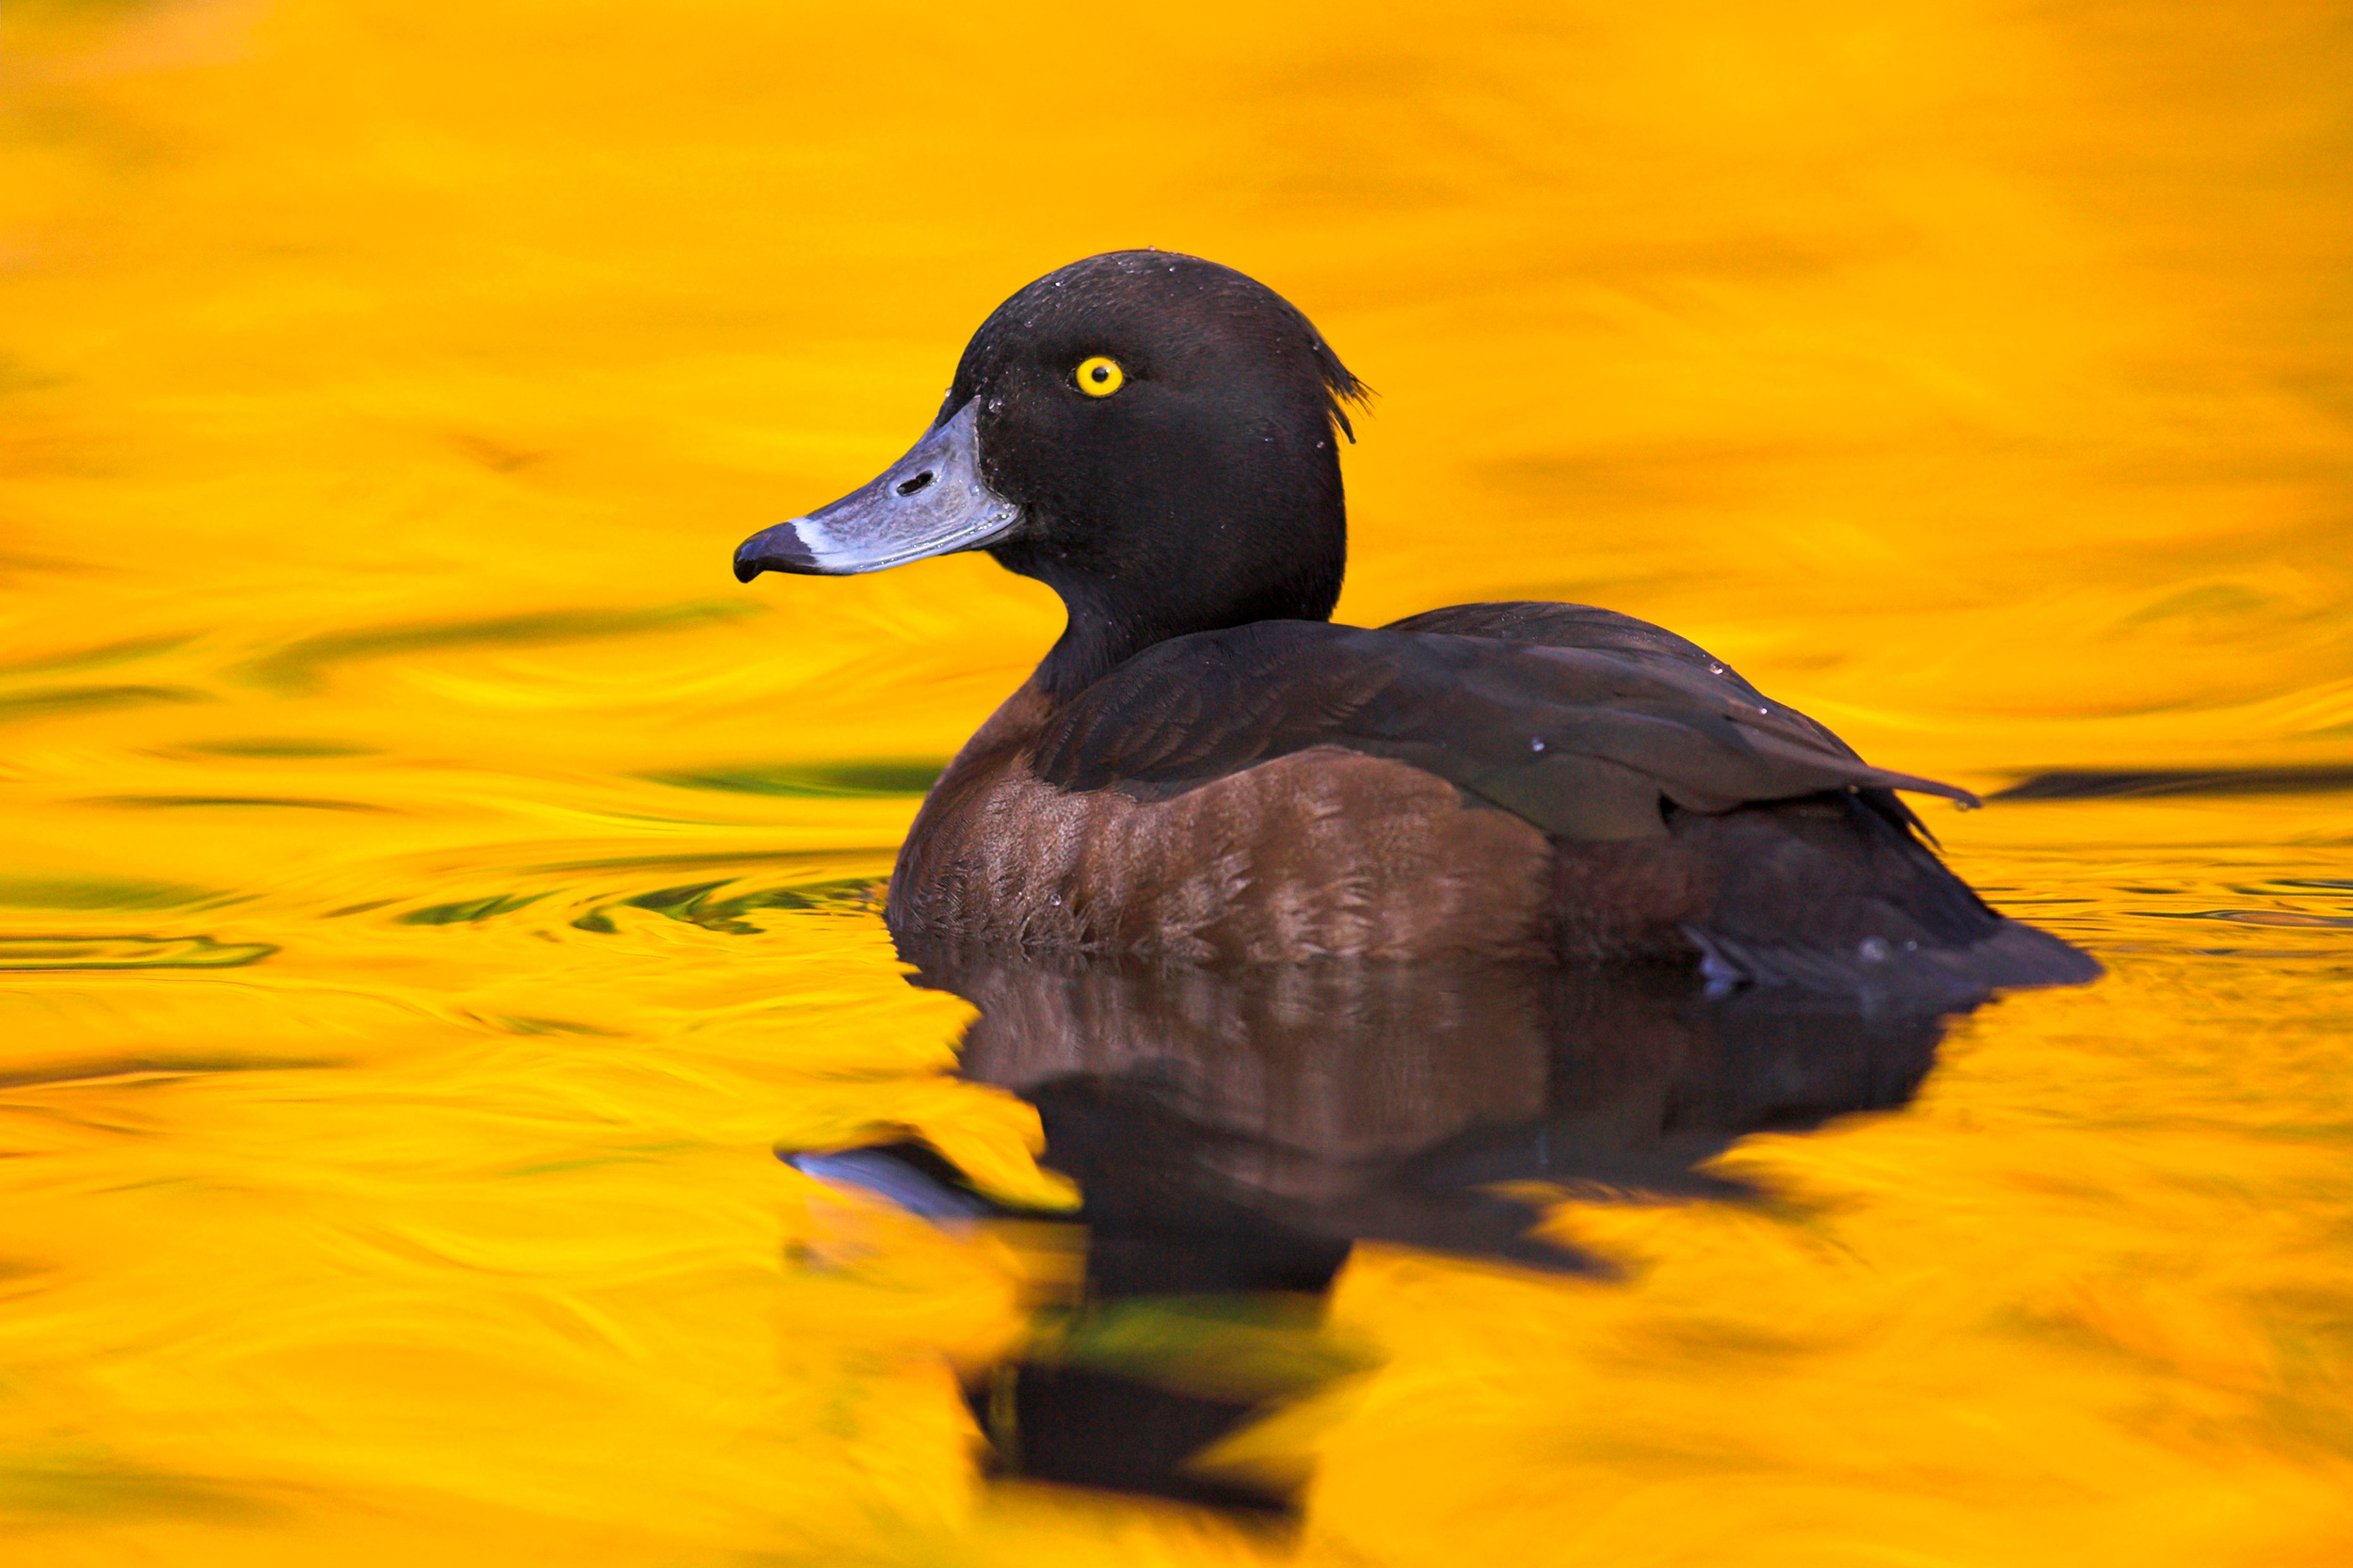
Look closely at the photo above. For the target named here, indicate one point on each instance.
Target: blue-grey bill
(932, 501)
(874, 1172)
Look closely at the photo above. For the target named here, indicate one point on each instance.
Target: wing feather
(1584, 740)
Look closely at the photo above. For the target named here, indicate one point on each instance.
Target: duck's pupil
(1102, 373)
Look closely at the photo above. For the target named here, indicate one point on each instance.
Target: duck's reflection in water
(1236, 1131)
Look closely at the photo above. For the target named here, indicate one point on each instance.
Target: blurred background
(432, 883)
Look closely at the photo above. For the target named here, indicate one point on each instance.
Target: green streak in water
(129, 952)
(302, 665)
(102, 892)
(468, 911)
(47, 701)
(881, 777)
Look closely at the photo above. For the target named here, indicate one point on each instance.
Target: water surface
(434, 891)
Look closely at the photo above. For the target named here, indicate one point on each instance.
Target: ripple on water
(128, 953)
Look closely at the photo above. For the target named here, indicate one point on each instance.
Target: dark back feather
(1589, 743)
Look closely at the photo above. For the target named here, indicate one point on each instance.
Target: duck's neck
(1093, 643)
(1106, 628)
(1171, 584)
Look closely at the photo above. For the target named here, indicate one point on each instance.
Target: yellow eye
(1100, 378)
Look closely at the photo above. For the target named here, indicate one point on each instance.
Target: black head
(1153, 435)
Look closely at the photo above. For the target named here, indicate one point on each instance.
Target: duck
(1206, 768)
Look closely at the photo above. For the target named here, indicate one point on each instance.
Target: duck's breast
(1324, 852)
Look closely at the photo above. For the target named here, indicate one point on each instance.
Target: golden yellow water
(407, 1004)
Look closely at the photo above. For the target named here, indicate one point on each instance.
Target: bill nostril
(919, 482)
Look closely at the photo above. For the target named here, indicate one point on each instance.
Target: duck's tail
(1837, 892)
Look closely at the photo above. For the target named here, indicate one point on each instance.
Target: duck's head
(1153, 435)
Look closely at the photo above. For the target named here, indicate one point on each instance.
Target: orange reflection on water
(432, 886)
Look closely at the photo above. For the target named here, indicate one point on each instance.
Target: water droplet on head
(1872, 949)
(1714, 669)
(1536, 745)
